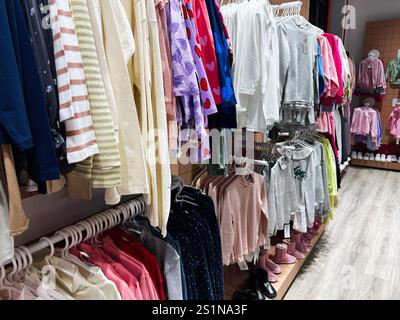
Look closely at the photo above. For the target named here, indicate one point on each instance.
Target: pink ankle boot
(312, 231)
(281, 255)
(272, 278)
(272, 266)
(292, 249)
(262, 264)
(309, 236)
(300, 245)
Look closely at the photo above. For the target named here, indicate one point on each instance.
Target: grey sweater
(282, 196)
(297, 49)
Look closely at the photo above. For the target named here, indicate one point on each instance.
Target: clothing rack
(93, 226)
(289, 8)
(249, 161)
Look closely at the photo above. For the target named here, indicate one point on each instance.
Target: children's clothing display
(394, 122)
(366, 127)
(393, 71)
(371, 77)
(336, 122)
(109, 61)
(101, 101)
(241, 233)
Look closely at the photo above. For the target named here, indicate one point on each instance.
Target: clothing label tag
(305, 44)
(243, 266)
(287, 231)
(242, 171)
(267, 244)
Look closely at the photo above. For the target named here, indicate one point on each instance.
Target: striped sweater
(72, 90)
(105, 166)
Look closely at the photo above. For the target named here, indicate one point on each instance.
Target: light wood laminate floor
(358, 257)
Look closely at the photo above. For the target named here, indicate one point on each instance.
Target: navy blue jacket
(41, 158)
(226, 116)
(14, 125)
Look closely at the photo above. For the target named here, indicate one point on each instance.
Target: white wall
(366, 10)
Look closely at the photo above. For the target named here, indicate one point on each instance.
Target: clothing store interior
(199, 150)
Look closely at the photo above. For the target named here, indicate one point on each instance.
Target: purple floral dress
(209, 105)
(185, 79)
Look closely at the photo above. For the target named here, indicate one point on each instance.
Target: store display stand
(395, 166)
(235, 278)
(290, 272)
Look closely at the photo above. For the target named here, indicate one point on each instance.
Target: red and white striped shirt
(72, 90)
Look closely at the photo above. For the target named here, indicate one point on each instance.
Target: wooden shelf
(236, 279)
(290, 272)
(376, 164)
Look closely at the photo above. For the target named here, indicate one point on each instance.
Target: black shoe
(264, 285)
(254, 285)
(247, 295)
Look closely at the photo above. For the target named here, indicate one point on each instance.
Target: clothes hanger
(77, 239)
(87, 228)
(8, 287)
(52, 249)
(21, 262)
(180, 198)
(29, 262)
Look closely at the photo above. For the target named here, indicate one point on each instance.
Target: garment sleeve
(227, 230)
(14, 123)
(272, 88)
(389, 71)
(263, 228)
(249, 68)
(319, 186)
(284, 61)
(391, 121)
(374, 125)
(272, 205)
(381, 79)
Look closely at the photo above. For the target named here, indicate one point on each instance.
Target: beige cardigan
(148, 86)
(133, 171)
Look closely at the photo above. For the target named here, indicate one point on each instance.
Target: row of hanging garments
(366, 126)
(81, 103)
(284, 67)
(240, 201)
(302, 183)
(118, 255)
(296, 184)
(334, 122)
(194, 227)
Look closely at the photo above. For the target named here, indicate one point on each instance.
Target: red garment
(130, 245)
(110, 273)
(131, 281)
(134, 266)
(206, 40)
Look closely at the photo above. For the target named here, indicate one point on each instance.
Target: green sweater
(393, 71)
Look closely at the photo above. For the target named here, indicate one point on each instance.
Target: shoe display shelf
(236, 279)
(395, 166)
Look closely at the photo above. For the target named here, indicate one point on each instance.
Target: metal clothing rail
(289, 8)
(98, 223)
(249, 161)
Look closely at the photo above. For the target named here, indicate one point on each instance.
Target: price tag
(287, 231)
(243, 266)
(305, 44)
(267, 244)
